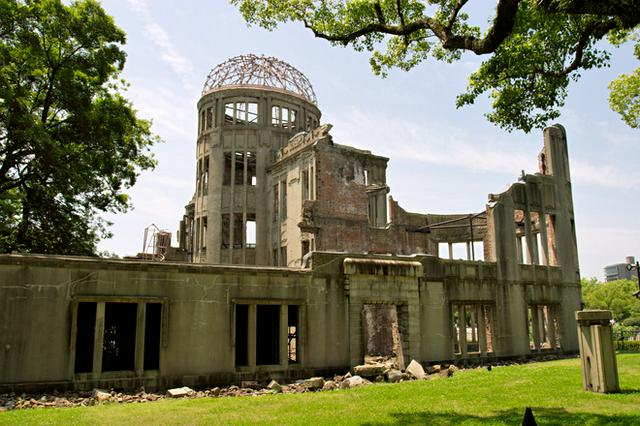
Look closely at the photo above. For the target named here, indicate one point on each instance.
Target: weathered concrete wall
(39, 296)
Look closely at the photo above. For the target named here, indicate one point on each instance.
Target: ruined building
(300, 264)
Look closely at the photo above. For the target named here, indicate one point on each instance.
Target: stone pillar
(599, 367)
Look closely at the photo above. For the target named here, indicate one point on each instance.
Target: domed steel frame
(260, 71)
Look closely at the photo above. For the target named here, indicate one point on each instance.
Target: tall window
(283, 117)
(241, 112)
(112, 330)
(543, 327)
(266, 321)
(472, 328)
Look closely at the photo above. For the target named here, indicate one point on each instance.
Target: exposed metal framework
(261, 71)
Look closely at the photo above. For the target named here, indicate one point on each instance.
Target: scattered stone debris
(13, 401)
(416, 370)
(180, 392)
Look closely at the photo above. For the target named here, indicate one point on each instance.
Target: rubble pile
(373, 371)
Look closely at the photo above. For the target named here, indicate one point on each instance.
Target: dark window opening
(119, 344)
(267, 334)
(86, 324)
(305, 185)
(205, 176)
(209, 117)
(305, 247)
(152, 336)
(276, 203)
(242, 335)
(283, 199)
(238, 230)
(251, 168)
(239, 173)
(203, 238)
(226, 176)
(292, 333)
(283, 256)
(226, 230)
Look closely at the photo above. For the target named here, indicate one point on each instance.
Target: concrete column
(450, 250)
(284, 332)
(482, 331)
(599, 366)
(535, 330)
(97, 342)
(140, 331)
(532, 252)
(462, 330)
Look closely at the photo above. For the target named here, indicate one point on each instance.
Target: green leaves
(624, 97)
(616, 296)
(69, 142)
(537, 47)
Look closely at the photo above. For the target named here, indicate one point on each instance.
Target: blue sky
(443, 160)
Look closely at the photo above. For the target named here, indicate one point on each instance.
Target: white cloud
(605, 175)
(179, 64)
(445, 145)
(433, 143)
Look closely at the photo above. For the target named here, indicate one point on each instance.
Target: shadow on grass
(543, 416)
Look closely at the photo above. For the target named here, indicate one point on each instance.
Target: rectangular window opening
(209, 118)
(283, 199)
(238, 231)
(267, 334)
(152, 323)
(471, 323)
(241, 113)
(275, 116)
(228, 113)
(543, 327)
(252, 113)
(242, 335)
(251, 168)
(205, 176)
(119, 344)
(292, 333)
(85, 329)
(203, 238)
(226, 176)
(276, 203)
(251, 231)
(239, 159)
(226, 231)
(305, 185)
(478, 250)
(472, 332)
(283, 256)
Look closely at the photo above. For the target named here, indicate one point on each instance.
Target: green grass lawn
(553, 389)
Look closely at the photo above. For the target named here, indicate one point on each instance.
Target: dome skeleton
(261, 71)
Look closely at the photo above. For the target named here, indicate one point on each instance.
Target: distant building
(619, 271)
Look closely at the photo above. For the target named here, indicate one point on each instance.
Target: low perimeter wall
(80, 323)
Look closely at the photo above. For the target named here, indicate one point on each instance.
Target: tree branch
(454, 13)
(500, 30)
(597, 30)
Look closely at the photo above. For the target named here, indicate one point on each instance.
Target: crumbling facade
(337, 270)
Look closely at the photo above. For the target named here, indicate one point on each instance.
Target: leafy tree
(536, 47)
(70, 143)
(616, 296)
